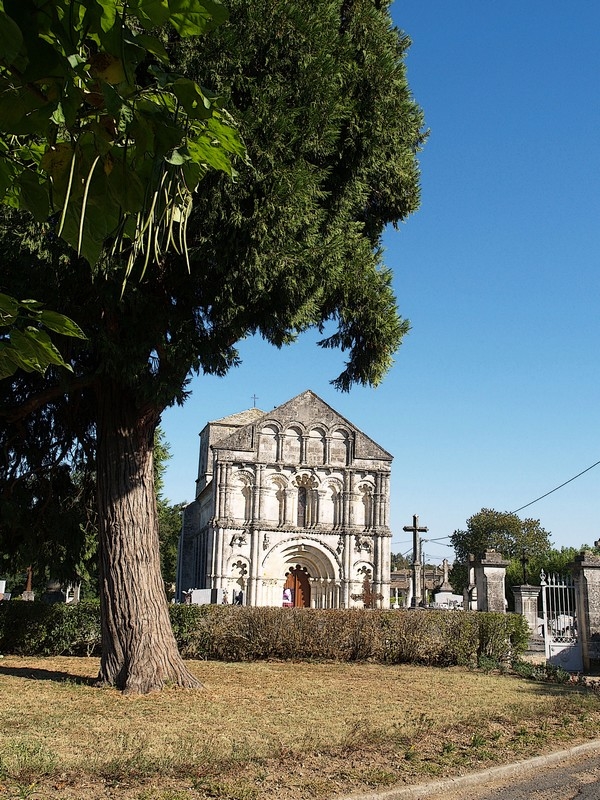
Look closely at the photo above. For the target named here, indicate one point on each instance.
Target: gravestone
(205, 597)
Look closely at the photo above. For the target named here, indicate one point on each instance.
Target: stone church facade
(291, 508)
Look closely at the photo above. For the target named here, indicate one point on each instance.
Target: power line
(556, 489)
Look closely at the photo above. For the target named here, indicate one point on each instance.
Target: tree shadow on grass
(36, 674)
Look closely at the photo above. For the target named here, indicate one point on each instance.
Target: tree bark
(139, 652)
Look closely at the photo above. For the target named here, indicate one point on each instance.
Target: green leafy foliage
(501, 531)
(48, 522)
(24, 344)
(399, 561)
(169, 516)
(96, 129)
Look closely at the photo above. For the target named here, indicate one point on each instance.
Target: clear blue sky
(494, 398)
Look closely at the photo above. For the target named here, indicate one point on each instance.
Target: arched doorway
(296, 590)
(313, 563)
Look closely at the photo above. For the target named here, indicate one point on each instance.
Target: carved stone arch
(292, 444)
(276, 499)
(366, 503)
(241, 500)
(318, 556)
(362, 588)
(306, 478)
(238, 570)
(316, 450)
(307, 499)
(339, 446)
(332, 501)
(268, 442)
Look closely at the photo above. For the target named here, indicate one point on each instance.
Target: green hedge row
(232, 633)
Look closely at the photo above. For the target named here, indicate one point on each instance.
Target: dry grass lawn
(270, 730)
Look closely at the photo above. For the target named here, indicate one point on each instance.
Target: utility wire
(556, 489)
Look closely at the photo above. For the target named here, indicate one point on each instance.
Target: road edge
(505, 770)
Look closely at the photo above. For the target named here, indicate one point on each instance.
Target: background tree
(501, 531)
(399, 561)
(169, 516)
(48, 519)
(48, 514)
(333, 133)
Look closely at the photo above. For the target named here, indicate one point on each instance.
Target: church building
(291, 509)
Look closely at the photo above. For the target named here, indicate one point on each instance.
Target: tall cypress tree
(332, 132)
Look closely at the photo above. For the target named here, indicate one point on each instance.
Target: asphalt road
(570, 774)
(578, 778)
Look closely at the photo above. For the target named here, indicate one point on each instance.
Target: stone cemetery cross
(416, 562)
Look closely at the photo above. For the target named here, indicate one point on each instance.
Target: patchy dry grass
(264, 730)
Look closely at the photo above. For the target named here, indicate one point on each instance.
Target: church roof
(307, 409)
(241, 418)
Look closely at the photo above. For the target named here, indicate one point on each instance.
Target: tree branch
(15, 413)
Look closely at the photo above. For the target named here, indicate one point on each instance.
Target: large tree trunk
(139, 652)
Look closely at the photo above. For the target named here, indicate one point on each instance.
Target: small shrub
(549, 673)
(477, 740)
(487, 664)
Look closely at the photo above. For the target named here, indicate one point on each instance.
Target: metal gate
(561, 639)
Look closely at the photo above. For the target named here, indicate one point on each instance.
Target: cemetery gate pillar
(490, 572)
(586, 573)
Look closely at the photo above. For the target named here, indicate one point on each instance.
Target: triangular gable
(309, 409)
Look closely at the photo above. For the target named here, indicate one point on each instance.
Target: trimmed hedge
(241, 633)
(33, 629)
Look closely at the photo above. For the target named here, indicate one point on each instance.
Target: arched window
(267, 444)
(315, 447)
(367, 501)
(339, 448)
(292, 442)
(307, 501)
(331, 511)
(241, 499)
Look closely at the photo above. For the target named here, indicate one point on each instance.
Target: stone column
(303, 448)
(376, 513)
(257, 493)
(347, 577)
(410, 594)
(586, 573)
(346, 500)
(385, 500)
(254, 576)
(352, 496)
(289, 506)
(526, 604)
(490, 572)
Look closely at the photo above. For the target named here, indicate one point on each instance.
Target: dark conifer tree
(332, 132)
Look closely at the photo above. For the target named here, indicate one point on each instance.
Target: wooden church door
(296, 591)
